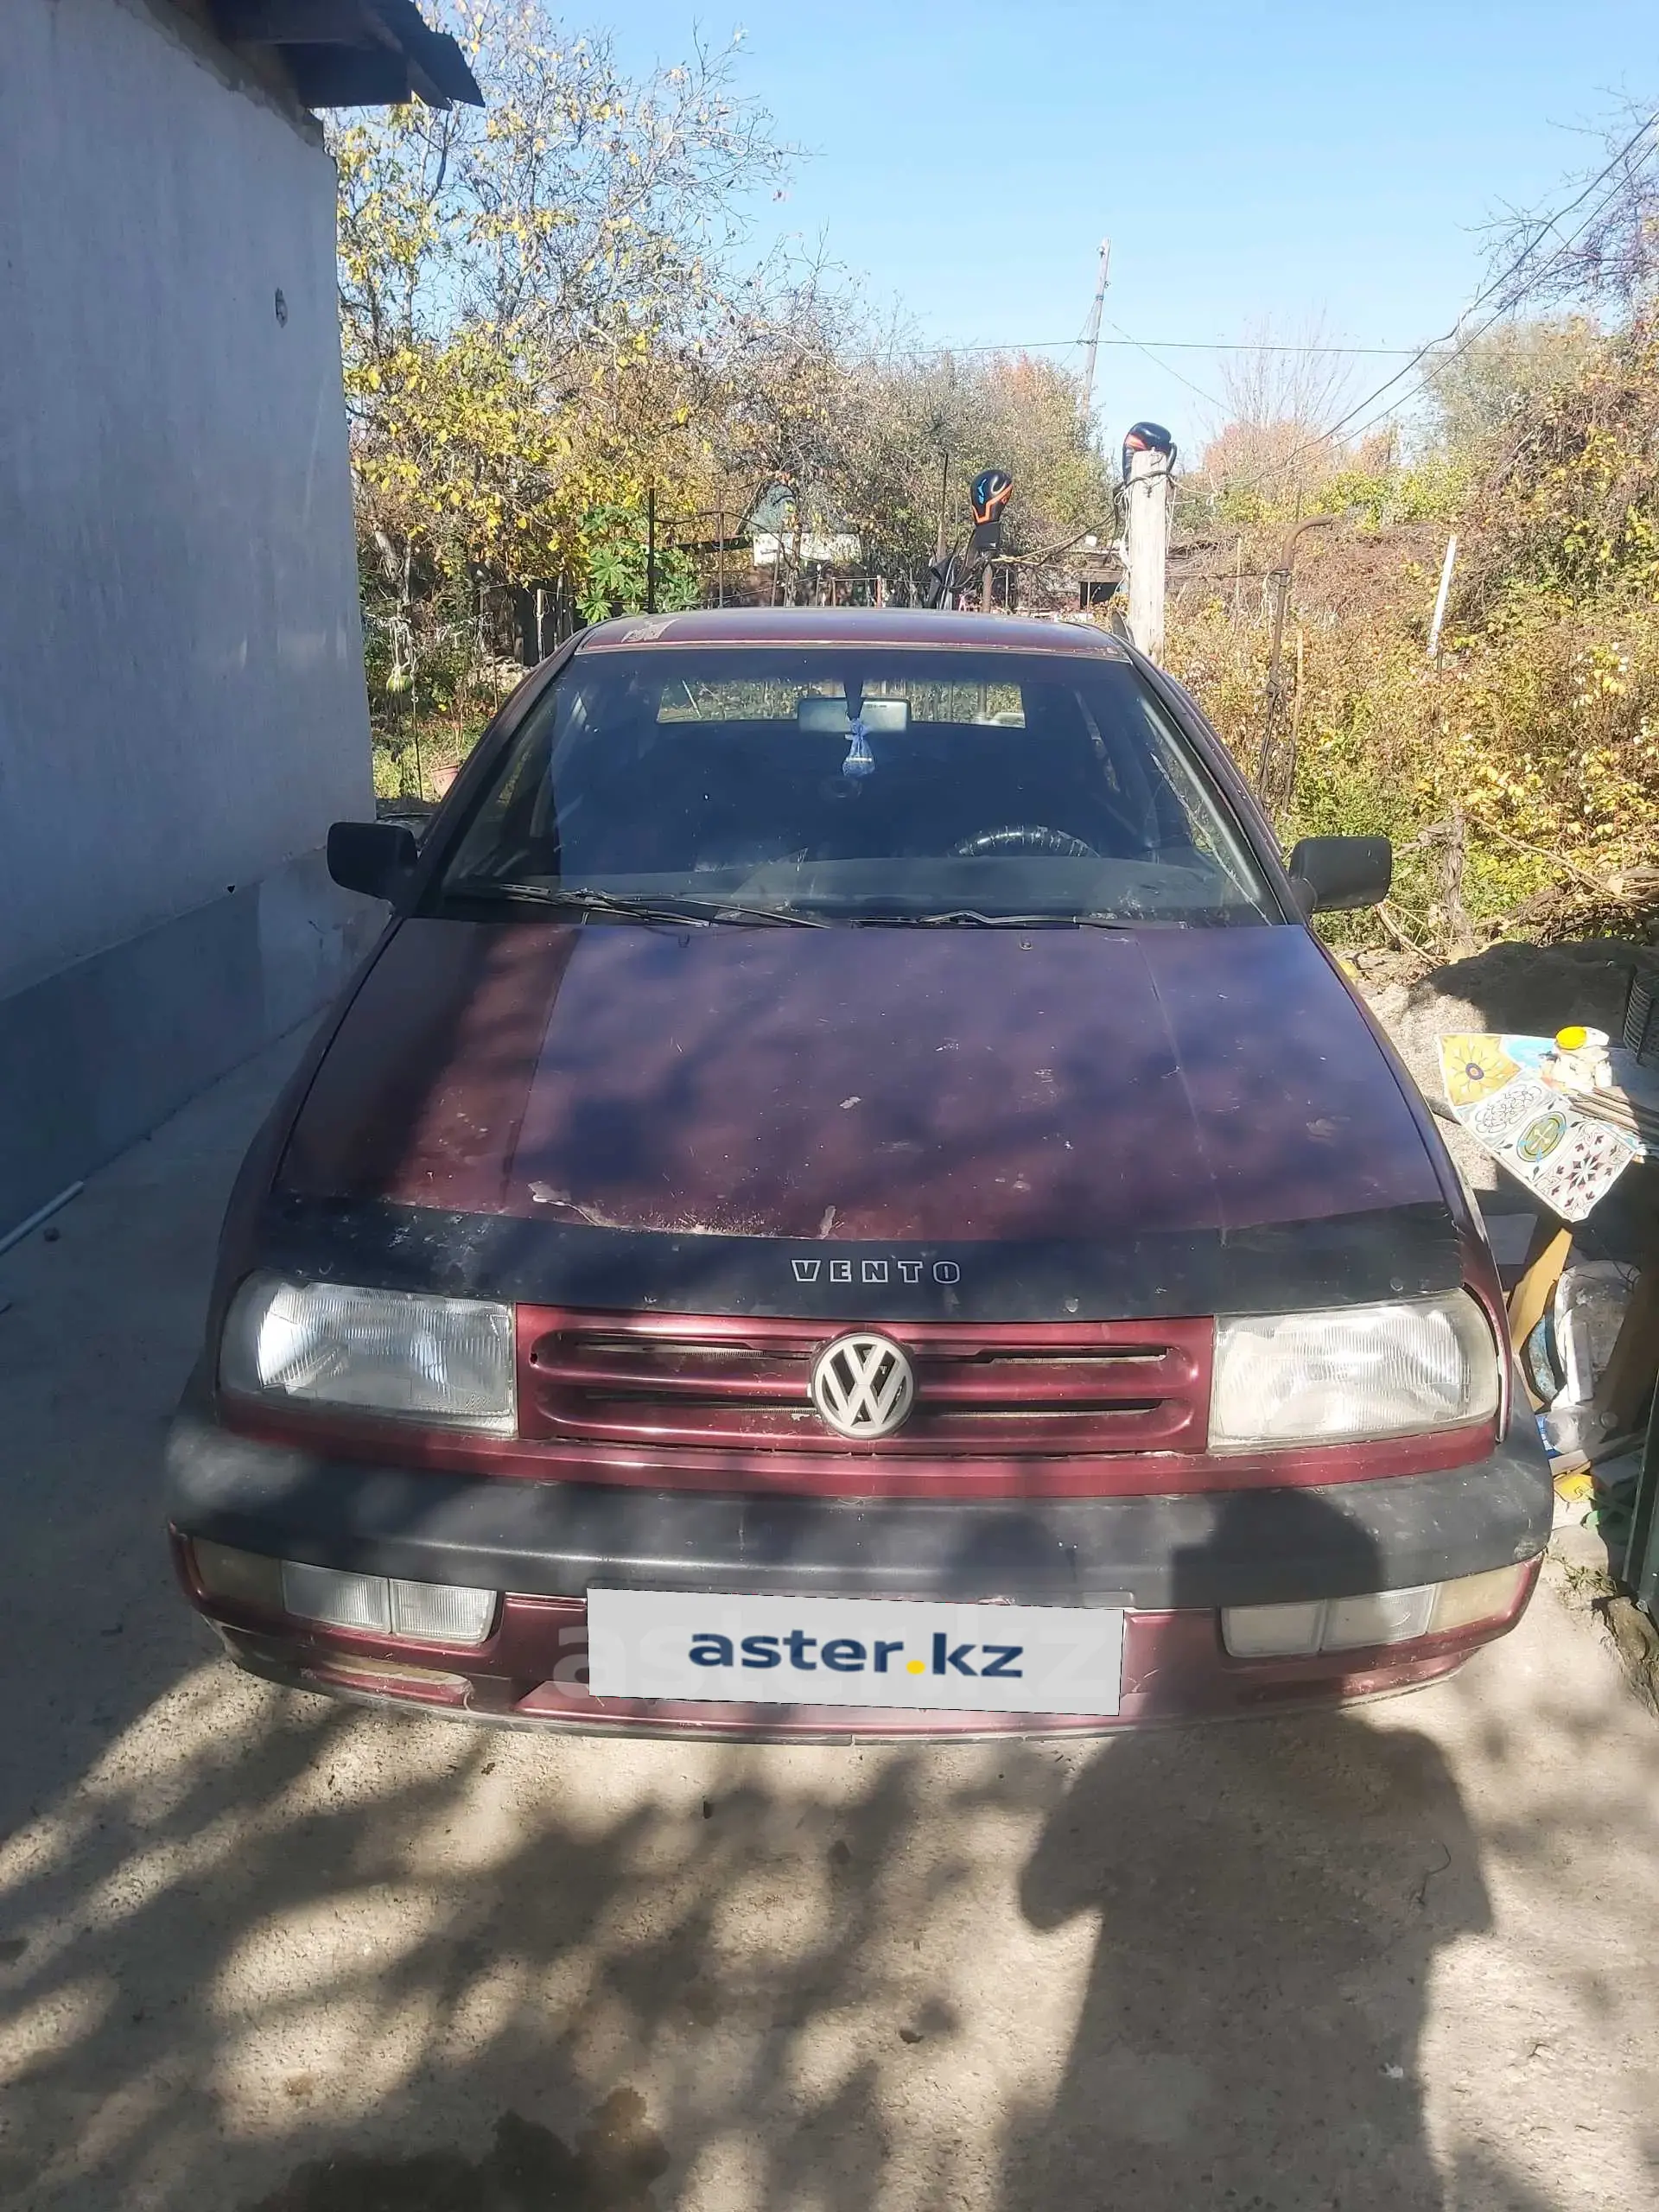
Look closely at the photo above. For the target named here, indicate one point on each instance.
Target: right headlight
(1352, 1372)
(445, 1361)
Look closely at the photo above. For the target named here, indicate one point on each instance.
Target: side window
(1185, 805)
(504, 829)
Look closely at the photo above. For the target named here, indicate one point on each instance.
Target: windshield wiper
(970, 918)
(700, 913)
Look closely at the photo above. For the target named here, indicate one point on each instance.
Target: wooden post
(1296, 707)
(720, 570)
(1273, 786)
(1460, 937)
(651, 551)
(523, 607)
(1442, 595)
(1148, 534)
(1267, 777)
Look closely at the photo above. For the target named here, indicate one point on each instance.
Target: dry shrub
(1542, 735)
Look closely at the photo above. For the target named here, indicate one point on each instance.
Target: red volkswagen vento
(848, 1200)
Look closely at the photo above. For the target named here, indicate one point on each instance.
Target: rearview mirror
(377, 858)
(1330, 873)
(828, 717)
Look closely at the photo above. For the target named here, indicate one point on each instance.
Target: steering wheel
(1024, 838)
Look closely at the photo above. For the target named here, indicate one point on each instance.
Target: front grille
(1006, 1389)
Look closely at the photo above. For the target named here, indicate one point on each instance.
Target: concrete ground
(260, 1950)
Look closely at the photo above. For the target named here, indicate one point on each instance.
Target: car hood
(881, 1082)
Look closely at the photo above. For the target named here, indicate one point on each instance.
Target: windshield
(837, 783)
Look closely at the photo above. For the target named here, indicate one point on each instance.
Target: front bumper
(1172, 1561)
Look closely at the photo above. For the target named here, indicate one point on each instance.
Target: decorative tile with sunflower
(1474, 1067)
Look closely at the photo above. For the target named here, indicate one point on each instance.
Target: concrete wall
(96, 1056)
(181, 701)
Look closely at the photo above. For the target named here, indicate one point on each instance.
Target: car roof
(939, 628)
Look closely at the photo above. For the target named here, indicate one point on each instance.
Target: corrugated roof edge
(350, 52)
(852, 625)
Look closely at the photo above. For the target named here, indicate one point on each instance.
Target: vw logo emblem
(863, 1386)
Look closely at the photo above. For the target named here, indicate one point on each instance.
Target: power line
(1468, 337)
(1140, 347)
(1412, 357)
(1498, 285)
(1163, 345)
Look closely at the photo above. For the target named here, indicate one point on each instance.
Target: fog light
(1272, 1631)
(438, 1613)
(421, 1612)
(241, 1577)
(1381, 1617)
(1375, 1618)
(335, 1600)
(1490, 1597)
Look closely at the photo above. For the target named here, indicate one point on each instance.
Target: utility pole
(1091, 337)
(1147, 534)
(651, 551)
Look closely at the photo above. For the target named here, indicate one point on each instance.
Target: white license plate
(828, 1651)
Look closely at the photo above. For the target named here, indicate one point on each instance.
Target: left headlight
(447, 1361)
(1352, 1372)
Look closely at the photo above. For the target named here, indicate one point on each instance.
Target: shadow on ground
(282, 1955)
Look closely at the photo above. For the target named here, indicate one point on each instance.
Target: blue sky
(1249, 163)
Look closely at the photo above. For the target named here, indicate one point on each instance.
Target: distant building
(181, 700)
(812, 549)
(779, 535)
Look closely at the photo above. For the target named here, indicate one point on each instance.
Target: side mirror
(377, 858)
(1329, 873)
